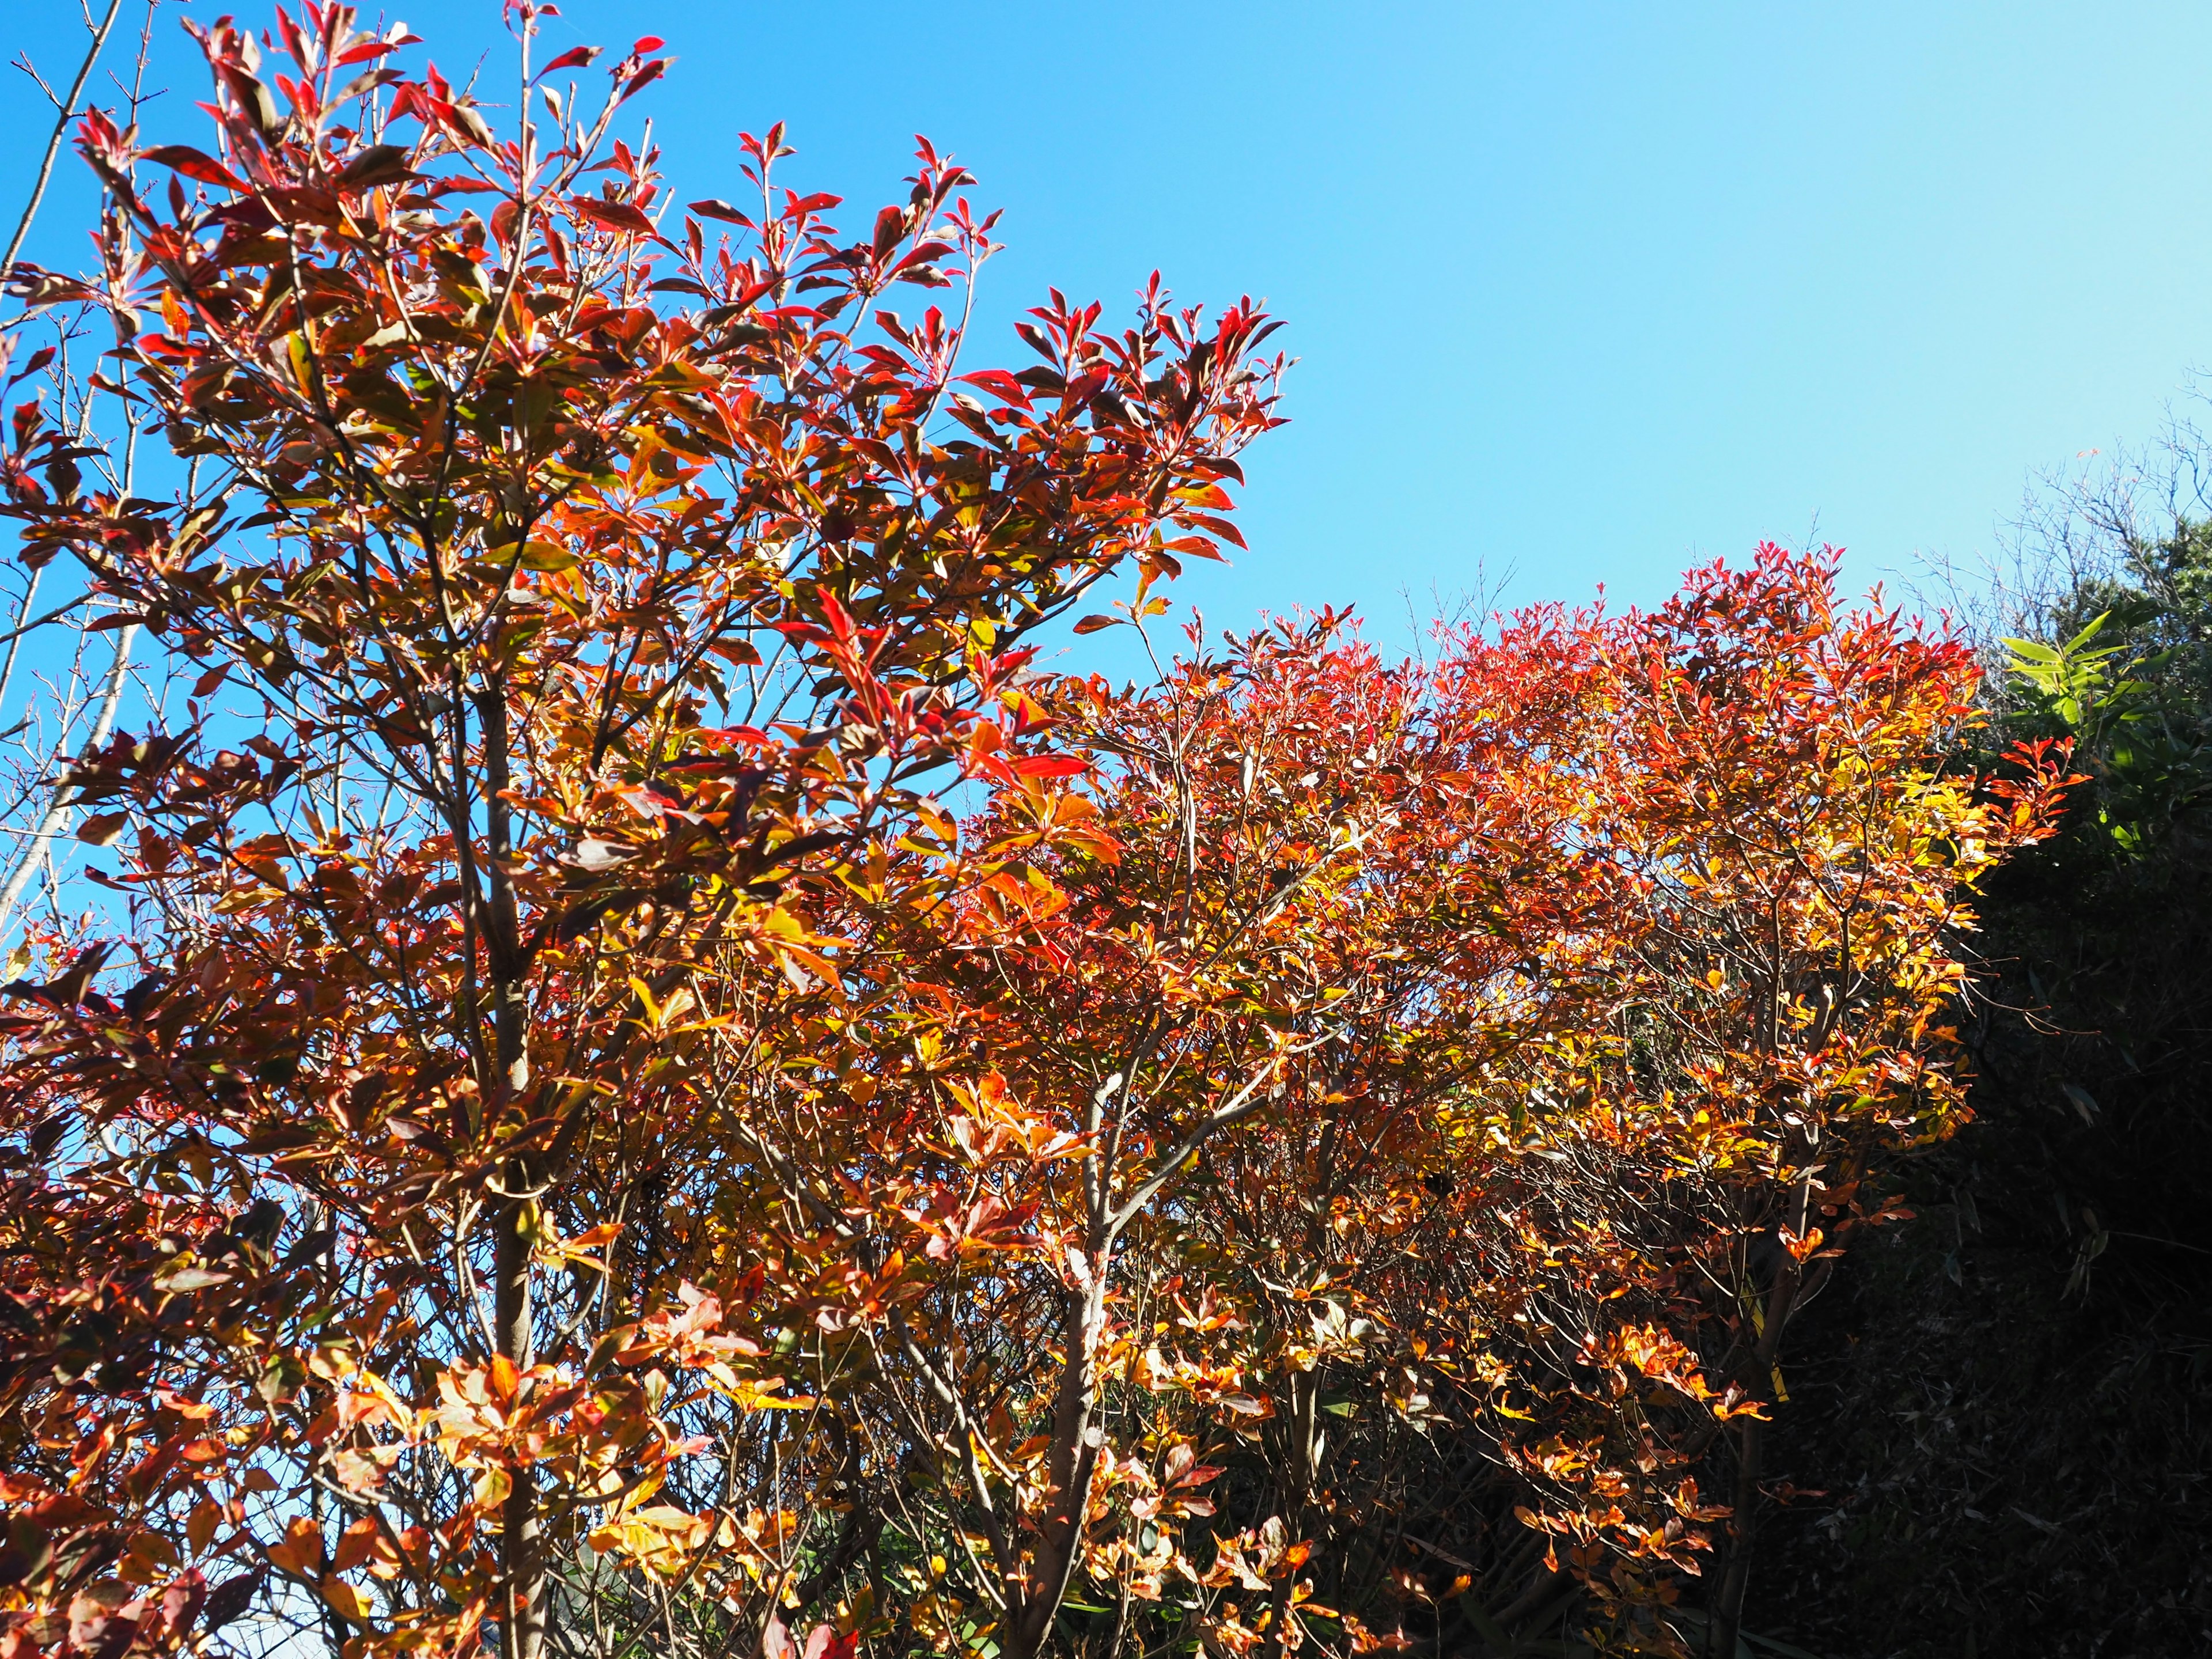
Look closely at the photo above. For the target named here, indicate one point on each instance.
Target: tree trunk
(61, 807)
(1073, 1462)
(522, 1562)
(1725, 1622)
(522, 1556)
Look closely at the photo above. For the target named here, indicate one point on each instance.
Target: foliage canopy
(673, 1090)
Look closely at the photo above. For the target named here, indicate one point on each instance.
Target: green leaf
(2088, 634)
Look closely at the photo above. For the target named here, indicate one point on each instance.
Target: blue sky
(1584, 292)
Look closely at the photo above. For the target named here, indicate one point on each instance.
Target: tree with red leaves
(654, 1082)
(602, 595)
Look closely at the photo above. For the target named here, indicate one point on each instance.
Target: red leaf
(642, 79)
(1000, 384)
(574, 58)
(1050, 766)
(380, 164)
(39, 359)
(890, 225)
(618, 216)
(194, 164)
(1219, 526)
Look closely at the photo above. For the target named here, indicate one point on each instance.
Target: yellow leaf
(347, 1601)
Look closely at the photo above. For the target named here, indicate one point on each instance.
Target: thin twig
(54, 141)
(63, 804)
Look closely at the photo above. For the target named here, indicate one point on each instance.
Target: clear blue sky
(1590, 292)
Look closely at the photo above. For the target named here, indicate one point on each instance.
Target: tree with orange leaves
(602, 594)
(581, 1141)
(1632, 943)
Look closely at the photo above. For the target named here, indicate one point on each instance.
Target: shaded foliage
(2012, 1430)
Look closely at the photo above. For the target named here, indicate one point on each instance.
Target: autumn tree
(1597, 971)
(650, 1082)
(576, 597)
